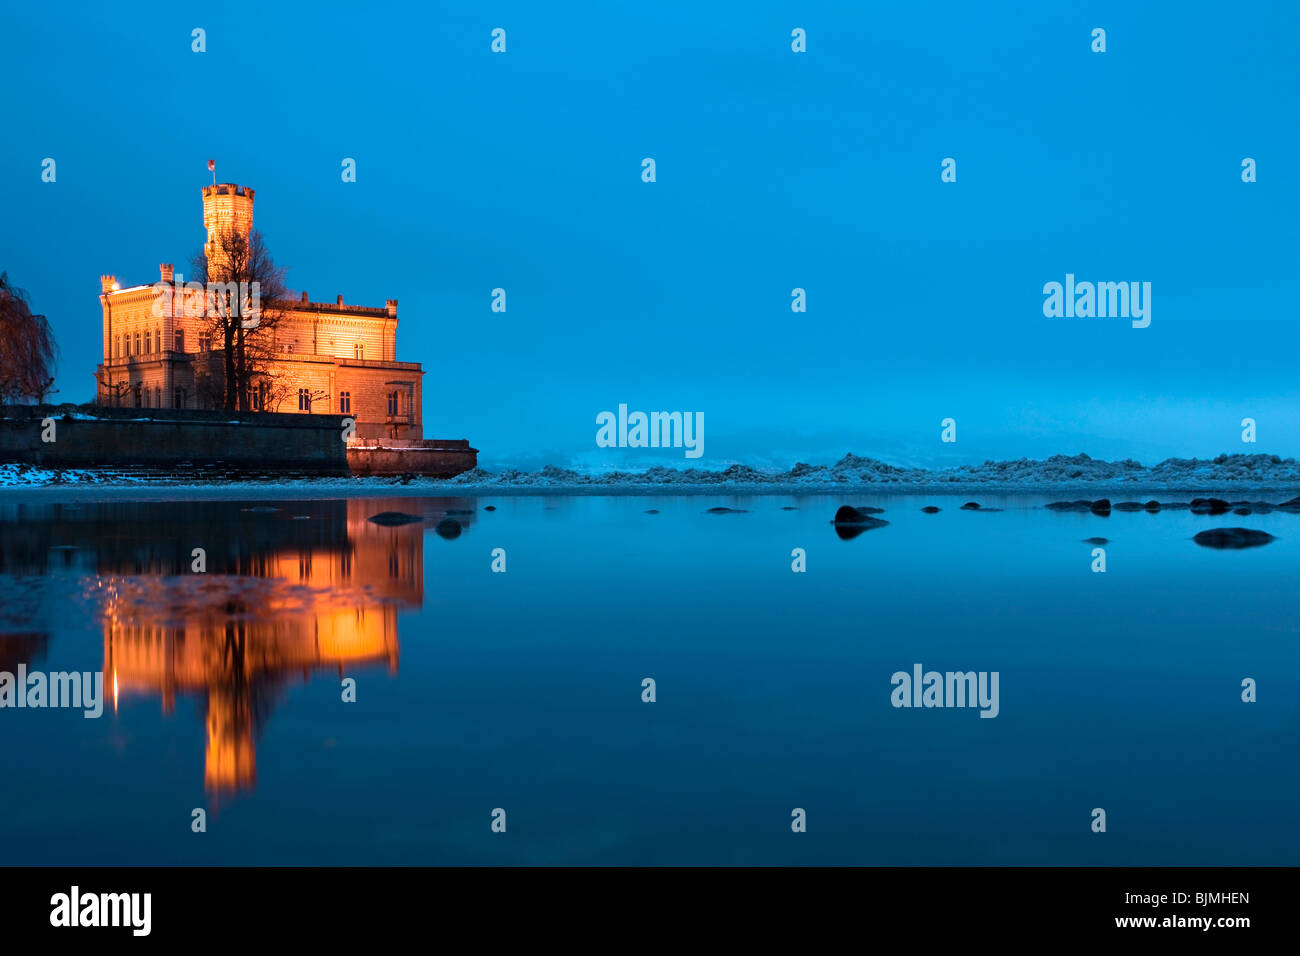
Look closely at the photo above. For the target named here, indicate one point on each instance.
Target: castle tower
(226, 208)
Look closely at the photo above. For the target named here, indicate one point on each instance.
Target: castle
(327, 357)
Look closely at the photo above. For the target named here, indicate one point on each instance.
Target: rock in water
(850, 522)
(1210, 506)
(448, 528)
(1096, 540)
(931, 510)
(726, 511)
(1100, 507)
(1152, 506)
(971, 506)
(394, 518)
(1233, 538)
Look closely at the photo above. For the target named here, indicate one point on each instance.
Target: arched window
(359, 350)
(148, 347)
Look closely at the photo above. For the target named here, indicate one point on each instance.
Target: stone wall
(438, 458)
(96, 437)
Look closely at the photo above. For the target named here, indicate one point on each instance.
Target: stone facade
(330, 358)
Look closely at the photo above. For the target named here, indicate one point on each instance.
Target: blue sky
(775, 170)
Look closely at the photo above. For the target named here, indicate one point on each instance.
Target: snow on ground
(850, 473)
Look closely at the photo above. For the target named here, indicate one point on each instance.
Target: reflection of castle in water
(238, 639)
(310, 586)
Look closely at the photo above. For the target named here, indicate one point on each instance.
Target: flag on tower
(212, 165)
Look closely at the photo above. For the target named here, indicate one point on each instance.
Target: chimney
(107, 284)
(166, 270)
(304, 298)
(340, 300)
(392, 307)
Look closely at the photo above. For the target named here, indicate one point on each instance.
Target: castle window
(304, 400)
(157, 339)
(147, 347)
(392, 403)
(205, 341)
(360, 350)
(118, 343)
(345, 402)
(137, 343)
(138, 399)
(180, 340)
(179, 397)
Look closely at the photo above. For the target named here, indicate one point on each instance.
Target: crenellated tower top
(226, 208)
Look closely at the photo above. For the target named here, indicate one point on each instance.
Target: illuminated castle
(327, 357)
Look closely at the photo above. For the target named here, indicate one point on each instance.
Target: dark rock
(869, 510)
(1100, 507)
(1153, 506)
(652, 511)
(931, 510)
(394, 518)
(971, 506)
(1128, 506)
(490, 508)
(1233, 538)
(1210, 506)
(726, 511)
(1292, 505)
(789, 508)
(1070, 505)
(850, 522)
(1096, 540)
(1244, 510)
(448, 528)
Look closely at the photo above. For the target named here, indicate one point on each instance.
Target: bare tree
(27, 349)
(117, 391)
(243, 308)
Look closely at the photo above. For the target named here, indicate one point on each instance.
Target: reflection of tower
(227, 208)
(230, 761)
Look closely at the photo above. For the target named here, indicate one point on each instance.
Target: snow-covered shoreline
(1227, 474)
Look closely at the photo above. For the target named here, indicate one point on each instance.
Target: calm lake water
(523, 690)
